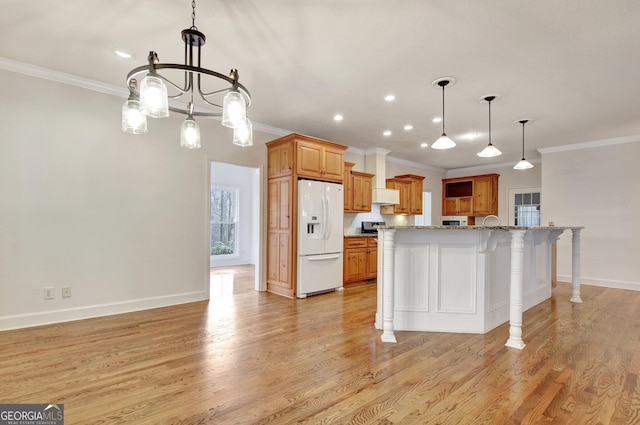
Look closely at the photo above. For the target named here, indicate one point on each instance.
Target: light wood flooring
(256, 358)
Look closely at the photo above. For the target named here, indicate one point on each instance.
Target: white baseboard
(605, 283)
(71, 314)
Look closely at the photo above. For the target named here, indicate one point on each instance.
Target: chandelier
(149, 97)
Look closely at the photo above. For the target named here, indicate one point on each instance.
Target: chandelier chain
(193, 14)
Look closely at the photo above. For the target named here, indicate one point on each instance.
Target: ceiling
(571, 66)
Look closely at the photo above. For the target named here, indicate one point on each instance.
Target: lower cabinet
(360, 259)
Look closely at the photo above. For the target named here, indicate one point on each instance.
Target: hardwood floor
(256, 358)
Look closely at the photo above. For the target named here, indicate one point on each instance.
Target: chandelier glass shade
(243, 134)
(523, 164)
(489, 150)
(207, 93)
(133, 120)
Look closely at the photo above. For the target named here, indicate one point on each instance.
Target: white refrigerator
(320, 212)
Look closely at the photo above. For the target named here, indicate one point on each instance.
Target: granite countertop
(360, 235)
(480, 227)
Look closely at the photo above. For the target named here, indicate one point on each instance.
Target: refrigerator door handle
(328, 234)
(322, 257)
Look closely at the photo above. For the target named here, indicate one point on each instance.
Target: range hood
(375, 163)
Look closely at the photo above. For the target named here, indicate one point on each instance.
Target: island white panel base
(458, 281)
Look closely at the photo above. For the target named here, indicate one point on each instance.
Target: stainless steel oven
(454, 220)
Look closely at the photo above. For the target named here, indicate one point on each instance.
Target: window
(224, 221)
(527, 209)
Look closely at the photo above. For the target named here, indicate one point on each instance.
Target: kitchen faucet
(491, 216)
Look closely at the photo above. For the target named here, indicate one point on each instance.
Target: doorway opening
(234, 225)
(524, 206)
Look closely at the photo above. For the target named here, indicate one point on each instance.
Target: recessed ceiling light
(389, 98)
(122, 53)
(437, 119)
(471, 135)
(337, 117)
(408, 127)
(424, 145)
(387, 133)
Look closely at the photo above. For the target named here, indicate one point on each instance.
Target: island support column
(575, 266)
(516, 290)
(387, 287)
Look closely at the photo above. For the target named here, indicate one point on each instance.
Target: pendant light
(523, 164)
(489, 150)
(443, 142)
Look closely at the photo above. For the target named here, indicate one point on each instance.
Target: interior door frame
(258, 222)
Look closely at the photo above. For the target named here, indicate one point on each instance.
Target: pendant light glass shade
(190, 134)
(154, 101)
(523, 164)
(234, 109)
(443, 142)
(490, 150)
(243, 135)
(133, 120)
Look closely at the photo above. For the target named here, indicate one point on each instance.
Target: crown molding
(490, 166)
(61, 77)
(415, 164)
(591, 144)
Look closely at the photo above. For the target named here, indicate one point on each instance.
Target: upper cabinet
(362, 183)
(357, 189)
(320, 160)
(280, 160)
(470, 196)
(410, 188)
(348, 186)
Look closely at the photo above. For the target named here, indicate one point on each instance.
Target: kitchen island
(465, 278)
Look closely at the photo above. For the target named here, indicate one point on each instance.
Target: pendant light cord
(443, 108)
(523, 139)
(489, 123)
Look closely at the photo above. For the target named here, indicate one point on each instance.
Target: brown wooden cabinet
(321, 160)
(280, 160)
(485, 195)
(360, 259)
(361, 191)
(410, 188)
(372, 258)
(357, 189)
(347, 186)
(470, 196)
(458, 206)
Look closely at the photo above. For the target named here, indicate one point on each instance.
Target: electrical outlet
(66, 291)
(48, 292)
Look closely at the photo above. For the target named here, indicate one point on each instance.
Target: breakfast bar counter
(465, 278)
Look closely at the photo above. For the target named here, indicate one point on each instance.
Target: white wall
(245, 180)
(122, 219)
(599, 188)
